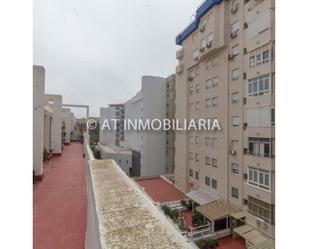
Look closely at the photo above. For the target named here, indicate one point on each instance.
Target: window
(207, 141)
(215, 101)
(197, 157)
(235, 121)
(191, 155)
(235, 27)
(208, 103)
(214, 163)
(235, 192)
(197, 105)
(259, 58)
(261, 147)
(259, 25)
(235, 97)
(252, 61)
(197, 140)
(191, 172)
(265, 56)
(235, 50)
(272, 116)
(195, 54)
(235, 74)
(197, 88)
(234, 144)
(215, 82)
(196, 175)
(214, 183)
(259, 178)
(207, 180)
(208, 83)
(261, 209)
(207, 161)
(214, 142)
(235, 168)
(260, 117)
(259, 85)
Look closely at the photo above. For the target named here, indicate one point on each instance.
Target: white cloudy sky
(95, 51)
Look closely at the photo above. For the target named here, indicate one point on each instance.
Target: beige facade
(226, 71)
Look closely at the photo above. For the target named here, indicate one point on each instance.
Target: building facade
(112, 136)
(149, 103)
(226, 70)
(170, 114)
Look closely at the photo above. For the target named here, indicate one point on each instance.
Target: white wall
(106, 136)
(67, 118)
(55, 103)
(38, 118)
(149, 103)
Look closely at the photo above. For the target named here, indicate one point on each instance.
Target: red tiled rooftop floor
(229, 243)
(160, 191)
(59, 202)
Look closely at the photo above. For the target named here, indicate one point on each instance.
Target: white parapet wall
(38, 118)
(120, 215)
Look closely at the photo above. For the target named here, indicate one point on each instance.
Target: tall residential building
(149, 103)
(226, 70)
(114, 136)
(170, 114)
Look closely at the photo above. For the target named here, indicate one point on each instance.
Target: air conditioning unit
(202, 49)
(231, 56)
(201, 28)
(190, 78)
(233, 35)
(209, 44)
(245, 25)
(245, 125)
(245, 151)
(233, 152)
(245, 176)
(234, 9)
(244, 101)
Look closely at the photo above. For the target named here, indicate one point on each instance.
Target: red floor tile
(229, 243)
(59, 202)
(160, 191)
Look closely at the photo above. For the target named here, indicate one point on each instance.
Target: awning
(201, 197)
(217, 209)
(238, 215)
(268, 244)
(254, 239)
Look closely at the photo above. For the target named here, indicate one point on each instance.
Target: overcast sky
(95, 51)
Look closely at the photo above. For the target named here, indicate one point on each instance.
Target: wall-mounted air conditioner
(233, 152)
(190, 78)
(209, 44)
(233, 35)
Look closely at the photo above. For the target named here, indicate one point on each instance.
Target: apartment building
(170, 114)
(149, 146)
(226, 71)
(69, 123)
(112, 136)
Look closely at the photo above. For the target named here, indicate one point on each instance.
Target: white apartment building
(113, 136)
(149, 103)
(122, 157)
(226, 70)
(69, 122)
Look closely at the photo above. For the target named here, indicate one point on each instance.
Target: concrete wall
(55, 103)
(38, 118)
